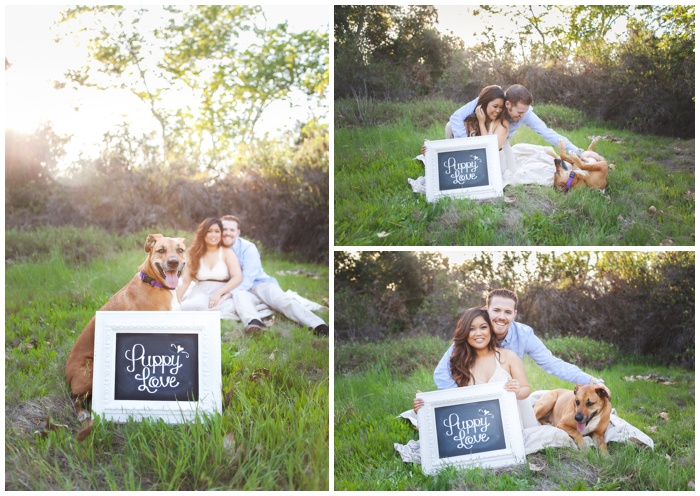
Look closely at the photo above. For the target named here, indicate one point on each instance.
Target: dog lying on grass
(591, 171)
(581, 412)
(152, 289)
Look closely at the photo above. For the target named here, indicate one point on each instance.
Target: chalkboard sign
(157, 365)
(469, 427)
(463, 168)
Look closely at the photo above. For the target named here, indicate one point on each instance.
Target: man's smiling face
(230, 233)
(502, 312)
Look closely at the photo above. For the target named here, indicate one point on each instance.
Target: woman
(214, 268)
(489, 115)
(476, 359)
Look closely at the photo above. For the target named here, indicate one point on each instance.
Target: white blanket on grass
(543, 436)
(228, 312)
(532, 166)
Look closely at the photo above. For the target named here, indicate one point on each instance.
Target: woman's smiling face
(213, 236)
(494, 108)
(479, 333)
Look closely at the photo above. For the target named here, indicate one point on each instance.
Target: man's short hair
(232, 218)
(518, 93)
(503, 293)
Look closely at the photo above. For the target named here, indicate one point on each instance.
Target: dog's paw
(85, 429)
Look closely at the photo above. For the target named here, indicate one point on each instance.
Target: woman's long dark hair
(486, 96)
(463, 355)
(199, 247)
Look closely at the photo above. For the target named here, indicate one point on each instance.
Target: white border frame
(432, 179)
(206, 325)
(514, 452)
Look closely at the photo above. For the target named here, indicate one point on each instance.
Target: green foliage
(368, 400)
(584, 352)
(75, 246)
(405, 355)
(224, 56)
(388, 51)
(560, 117)
(273, 434)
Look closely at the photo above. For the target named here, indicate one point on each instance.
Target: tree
(206, 73)
(388, 50)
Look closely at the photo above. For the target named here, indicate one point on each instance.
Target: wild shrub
(402, 356)
(584, 352)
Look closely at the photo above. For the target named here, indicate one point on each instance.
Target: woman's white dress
(209, 280)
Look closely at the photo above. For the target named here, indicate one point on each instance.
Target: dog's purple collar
(571, 180)
(149, 280)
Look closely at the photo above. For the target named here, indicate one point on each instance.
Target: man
(256, 283)
(518, 113)
(519, 338)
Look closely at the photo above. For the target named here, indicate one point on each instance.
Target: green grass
(374, 157)
(374, 382)
(276, 428)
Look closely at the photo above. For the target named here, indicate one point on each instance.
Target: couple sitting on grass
(229, 278)
(499, 113)
(489, 347)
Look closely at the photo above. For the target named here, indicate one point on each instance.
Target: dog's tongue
(171, 279)
(580, 427)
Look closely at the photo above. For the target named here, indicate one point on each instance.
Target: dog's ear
(183, 241)
(150, 241)
(576, 388)
(602, 392)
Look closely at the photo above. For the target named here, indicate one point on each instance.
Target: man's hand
(590, 156)
(599, 382)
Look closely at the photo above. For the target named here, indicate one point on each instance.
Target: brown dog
(584, 411)
(591, 172)
(151, 289)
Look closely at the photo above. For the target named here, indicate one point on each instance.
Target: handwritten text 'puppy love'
(461, 172)
(153, 371)
(467, 432)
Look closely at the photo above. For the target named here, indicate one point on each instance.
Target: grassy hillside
(375, 382)
(376, 142)
(273, 434)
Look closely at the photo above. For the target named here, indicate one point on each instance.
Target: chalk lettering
(467, 432)
(153, 371)
(461, 172)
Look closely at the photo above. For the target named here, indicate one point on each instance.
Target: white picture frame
(463, 168)
(119, 390)
(474, 440)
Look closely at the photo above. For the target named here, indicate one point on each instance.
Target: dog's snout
(173, 262)
(578, 417)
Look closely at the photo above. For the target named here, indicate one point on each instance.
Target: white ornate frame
(432, 178)
(514, 452)
(206, 325)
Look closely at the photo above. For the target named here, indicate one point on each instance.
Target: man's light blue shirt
(530, 120)
(251, 266)
(520, 339)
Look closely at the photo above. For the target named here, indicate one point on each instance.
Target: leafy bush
(560, 116)
(75, 245)
(584, 352)
(402, 356)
